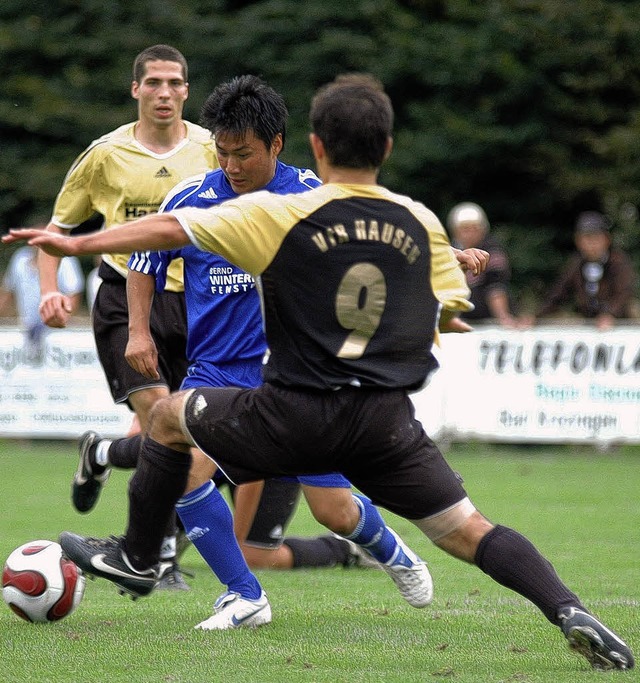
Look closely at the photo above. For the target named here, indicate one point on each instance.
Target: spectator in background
(21, 290)
(598, 281)
(469, 228)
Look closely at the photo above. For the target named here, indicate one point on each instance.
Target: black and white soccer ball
(40, 584)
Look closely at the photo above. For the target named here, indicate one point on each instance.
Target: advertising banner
(550, 384)
(58, 393)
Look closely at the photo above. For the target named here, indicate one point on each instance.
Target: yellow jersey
(120, 179)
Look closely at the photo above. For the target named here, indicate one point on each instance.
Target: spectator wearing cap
(469, 227)
(598, 281)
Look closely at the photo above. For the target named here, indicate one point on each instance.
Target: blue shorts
(246, 374)
(324, 481)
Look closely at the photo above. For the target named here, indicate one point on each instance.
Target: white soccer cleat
(410, 574)
(358, 556)
(231, 610)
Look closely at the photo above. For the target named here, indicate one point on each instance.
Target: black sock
(321, 551)
(513, 561)
(124, 453)
(159, 480)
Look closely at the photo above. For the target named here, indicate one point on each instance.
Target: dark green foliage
(529, 107)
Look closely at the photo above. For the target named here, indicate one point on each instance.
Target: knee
(144, 401)
(341, 519)
(164, 421)
(463, 542)
(158, 413)
(265, 558)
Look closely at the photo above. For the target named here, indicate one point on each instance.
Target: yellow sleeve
(247, 230)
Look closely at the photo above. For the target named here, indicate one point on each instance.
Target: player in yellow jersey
(124, 175)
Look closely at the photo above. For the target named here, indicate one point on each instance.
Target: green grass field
(580, 507)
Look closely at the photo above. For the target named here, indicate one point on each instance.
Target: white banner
(59, 396)
(560, 384)
(551, 384)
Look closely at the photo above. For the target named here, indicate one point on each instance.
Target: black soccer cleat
(87, 481)
(104, 557)
(586, 635)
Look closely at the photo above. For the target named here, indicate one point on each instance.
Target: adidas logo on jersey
(163, 173)
(208, 194)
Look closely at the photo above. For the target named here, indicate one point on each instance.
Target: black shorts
(277, 504)
(111, 331)
(371, 437)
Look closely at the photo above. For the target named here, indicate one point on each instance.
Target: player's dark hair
(244, 104)
(155, 53)
(353, 117)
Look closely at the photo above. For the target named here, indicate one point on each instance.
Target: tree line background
(530, 108)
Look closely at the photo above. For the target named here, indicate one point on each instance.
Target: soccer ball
(39, 584)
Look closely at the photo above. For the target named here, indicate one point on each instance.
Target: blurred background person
(93, 282)
(468, 228)
(20, 294)
(597, 282)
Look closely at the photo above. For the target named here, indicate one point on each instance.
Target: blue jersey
(223, 307)
(225, 339)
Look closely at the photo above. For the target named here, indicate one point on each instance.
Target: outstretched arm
(153, 232)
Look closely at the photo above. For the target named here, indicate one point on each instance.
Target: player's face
(246, 161)
(161, 93)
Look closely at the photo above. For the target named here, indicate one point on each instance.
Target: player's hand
(456, 325)
(475, 260)
(53, 243)
(142, 355)
(55, 309)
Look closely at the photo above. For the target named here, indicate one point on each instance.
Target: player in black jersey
(355, 282)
